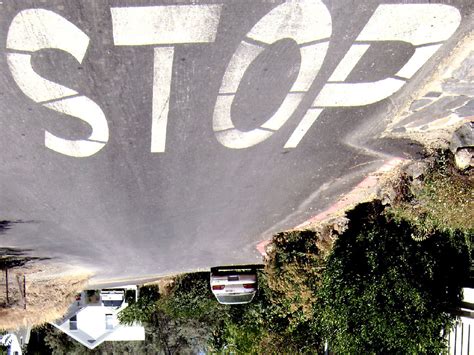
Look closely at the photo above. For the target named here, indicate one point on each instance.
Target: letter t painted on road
(163, 27)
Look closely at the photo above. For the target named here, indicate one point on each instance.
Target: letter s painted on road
(35, 29)
(307, 22)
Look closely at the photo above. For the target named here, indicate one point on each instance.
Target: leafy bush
(190, 298)
(130, 296)
(143, 309)
(379, 291)
(293, 274)
(383, 292)
(260, 327)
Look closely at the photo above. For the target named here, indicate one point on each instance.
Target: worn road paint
(87, 110)
(309, 118)
(307, 22)
(345, 66)
(172, 24)
(162, 72)
(163, 25)
(422, 25)
(304, 21)
(35, 29)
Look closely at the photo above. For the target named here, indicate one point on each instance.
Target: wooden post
(6, 284)
(24, 291)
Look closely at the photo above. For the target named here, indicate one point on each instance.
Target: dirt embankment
(36, 292)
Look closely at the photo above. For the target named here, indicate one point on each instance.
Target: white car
(234, 285)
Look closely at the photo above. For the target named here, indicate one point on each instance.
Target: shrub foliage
(385, 285)
(384, 292)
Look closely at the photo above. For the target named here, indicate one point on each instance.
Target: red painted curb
(261, 247)
(350, 198)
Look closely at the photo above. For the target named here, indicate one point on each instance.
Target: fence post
(6, 284)
(24, 292)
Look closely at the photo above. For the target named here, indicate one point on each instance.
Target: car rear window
(235, 298)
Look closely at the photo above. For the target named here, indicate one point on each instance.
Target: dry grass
(49, 294)
(293, 270)
(165, 284)
(443, 200)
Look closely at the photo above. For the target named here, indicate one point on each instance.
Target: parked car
(234, 285)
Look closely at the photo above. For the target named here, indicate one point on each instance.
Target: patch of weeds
(402, 189)
(443, 200)
(294, 270)
(190, 298)
(141, 310)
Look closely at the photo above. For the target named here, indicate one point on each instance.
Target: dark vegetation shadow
(386, 292)
(14, 257)
(440, 264)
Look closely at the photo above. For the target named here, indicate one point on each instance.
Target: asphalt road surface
(153, 137)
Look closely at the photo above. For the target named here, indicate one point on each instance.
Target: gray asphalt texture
(128, 212)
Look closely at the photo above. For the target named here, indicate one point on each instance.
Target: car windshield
(235, 298)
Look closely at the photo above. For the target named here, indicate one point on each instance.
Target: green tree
(142, 310)
(384, 292)
(172, 322)
(292, 278)
(191, 298)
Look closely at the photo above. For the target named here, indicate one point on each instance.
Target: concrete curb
(366, 187)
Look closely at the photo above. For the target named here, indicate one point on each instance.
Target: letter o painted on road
(309, 24)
